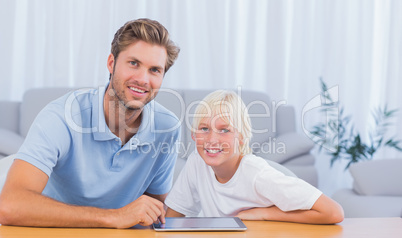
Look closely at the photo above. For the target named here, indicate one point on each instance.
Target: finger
(162, 216)
(147, 221)
(159, 209)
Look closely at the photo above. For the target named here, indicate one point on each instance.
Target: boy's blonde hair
(231, 108)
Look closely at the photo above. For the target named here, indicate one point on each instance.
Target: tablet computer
(201, 224)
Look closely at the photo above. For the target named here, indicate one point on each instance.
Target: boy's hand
(258, 213)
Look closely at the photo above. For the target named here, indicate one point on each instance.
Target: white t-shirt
(255, 184)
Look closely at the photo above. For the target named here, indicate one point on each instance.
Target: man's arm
(324, 211)
(21, 203)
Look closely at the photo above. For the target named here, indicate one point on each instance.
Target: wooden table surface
(350, 227)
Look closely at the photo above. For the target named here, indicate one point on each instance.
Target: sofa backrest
(34, 101)
(268, 119)
(10, 115)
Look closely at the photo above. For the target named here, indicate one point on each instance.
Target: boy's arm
(172, 213)
(324, 211)
(22, 204)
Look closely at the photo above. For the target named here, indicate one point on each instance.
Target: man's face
(137, 74)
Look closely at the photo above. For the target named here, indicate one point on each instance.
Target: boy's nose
(212, 137)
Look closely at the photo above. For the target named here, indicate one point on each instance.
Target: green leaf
(339, 128)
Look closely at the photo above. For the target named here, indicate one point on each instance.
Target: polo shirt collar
(101, 132)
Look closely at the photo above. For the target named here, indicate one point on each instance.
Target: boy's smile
(213, 152)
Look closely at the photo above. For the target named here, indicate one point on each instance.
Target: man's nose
(142, 77)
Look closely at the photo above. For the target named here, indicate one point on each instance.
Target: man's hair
(231, 108)
(146, 30)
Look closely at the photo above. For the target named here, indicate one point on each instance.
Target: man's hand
(143, 211)
(22, 204)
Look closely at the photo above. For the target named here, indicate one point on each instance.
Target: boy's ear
(192, 136)
(241, 140)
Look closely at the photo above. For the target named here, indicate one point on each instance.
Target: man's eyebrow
(134, 59)
(139, 61)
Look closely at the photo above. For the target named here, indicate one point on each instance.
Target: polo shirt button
(116, 139)
(118, 153)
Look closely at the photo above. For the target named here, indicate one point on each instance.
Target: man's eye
(155, 70)
(133, 63)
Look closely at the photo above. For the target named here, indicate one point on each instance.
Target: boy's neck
(225, 172)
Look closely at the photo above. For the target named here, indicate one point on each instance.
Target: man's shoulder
(72, 107)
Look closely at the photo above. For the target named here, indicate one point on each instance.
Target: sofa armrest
(10, 141)
(285, 147)
(377, 177)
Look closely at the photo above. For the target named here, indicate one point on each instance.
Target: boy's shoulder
(257, 163)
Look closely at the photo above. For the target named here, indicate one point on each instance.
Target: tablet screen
(201, 224)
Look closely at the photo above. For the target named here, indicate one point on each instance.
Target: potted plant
(340, 139)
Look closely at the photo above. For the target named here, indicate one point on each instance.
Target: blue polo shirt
(86, 163)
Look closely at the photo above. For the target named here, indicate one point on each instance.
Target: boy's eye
(224, 131)
(204, 129)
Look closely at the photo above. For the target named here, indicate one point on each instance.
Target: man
(91, 158)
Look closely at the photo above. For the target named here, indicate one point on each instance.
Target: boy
(223, 178)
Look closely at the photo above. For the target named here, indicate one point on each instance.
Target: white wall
(279, 47)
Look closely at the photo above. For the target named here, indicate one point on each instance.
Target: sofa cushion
(356, 205)
(377, 177)
(284, 147)
(306, 159)
(10, 142)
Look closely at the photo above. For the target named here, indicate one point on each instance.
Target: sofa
(376, 191)
(275, 135)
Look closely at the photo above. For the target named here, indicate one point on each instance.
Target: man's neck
(122, 122)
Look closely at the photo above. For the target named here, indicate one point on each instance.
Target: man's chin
(135, 105)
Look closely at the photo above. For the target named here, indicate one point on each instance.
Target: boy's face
(137, 73)
(217, 142)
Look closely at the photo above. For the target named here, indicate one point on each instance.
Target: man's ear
(192, 136)
(110, 63)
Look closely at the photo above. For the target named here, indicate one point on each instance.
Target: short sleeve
(286, 192)
(162, 182)
(184, 197)
(47, 141)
